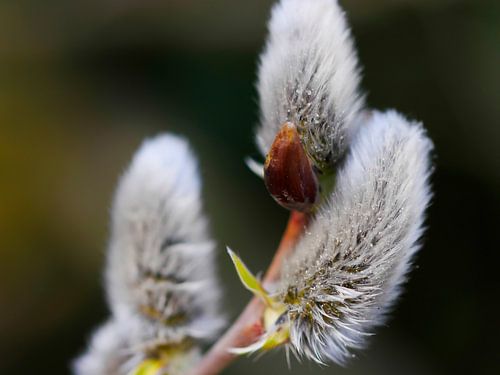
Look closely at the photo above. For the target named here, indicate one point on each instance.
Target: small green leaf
(277, 334)
(272, 314)
(248, 279)
(277, 337)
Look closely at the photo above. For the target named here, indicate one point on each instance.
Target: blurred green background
(83, 82)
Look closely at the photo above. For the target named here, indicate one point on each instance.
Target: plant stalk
(248, 326)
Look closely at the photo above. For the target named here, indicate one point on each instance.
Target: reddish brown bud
(288, 174)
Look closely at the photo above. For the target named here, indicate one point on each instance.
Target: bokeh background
(82, 83)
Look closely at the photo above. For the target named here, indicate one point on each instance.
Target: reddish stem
(248, 327)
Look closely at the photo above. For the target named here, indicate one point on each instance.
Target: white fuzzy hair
(160, 275)
(309, 75)
(347, 270)
(107, 351)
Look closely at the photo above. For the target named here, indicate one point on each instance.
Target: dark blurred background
(82, 83)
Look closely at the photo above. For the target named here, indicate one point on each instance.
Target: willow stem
(248, 327)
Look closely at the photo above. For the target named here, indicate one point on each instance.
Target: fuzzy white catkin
(160, 275)
(106, 351)
(348, 268)
(309, 75)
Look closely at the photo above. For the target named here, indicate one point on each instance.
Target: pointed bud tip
(288, 173)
